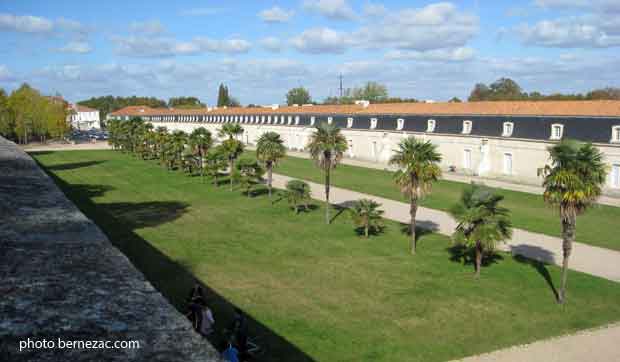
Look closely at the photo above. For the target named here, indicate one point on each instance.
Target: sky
(261, 49)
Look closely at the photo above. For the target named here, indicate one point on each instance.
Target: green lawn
(315, 292)
(598, 226)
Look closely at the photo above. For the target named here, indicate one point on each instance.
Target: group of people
(203, 322)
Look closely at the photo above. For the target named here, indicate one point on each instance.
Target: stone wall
(60, 278)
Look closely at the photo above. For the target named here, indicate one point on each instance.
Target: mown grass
(320, 292)
(598, 226)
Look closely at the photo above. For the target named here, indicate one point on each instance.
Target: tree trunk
(366, 228)
(413, 210)
(327, 195)
(568, 236)
(478, 258)
(269, 176)
(232, 164)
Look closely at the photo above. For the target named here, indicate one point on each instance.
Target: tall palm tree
(215, 161)
(230, 130)
(200, 141)
(269, 149)
(327, 146)
(418, 163)
(572, 183)
(178, 140)
(231, 147)
(367, 215)
(482, 223)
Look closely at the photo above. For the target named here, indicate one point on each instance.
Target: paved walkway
(596, 345)
(611, 200)
(585, 258)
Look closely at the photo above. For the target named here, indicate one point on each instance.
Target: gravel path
(585, 258)
(596, 345)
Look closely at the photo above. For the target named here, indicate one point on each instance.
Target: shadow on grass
(422, 228)
(171, 278)
(73, 166)
(462, 254)
(538, 258)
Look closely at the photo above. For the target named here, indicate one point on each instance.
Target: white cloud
(138, 46)
(147, 27)
(321, 40)
(436, 26)
(271, 43)
(574, 32)
(276, 15)
(332, 9)
(5, 74)
(76, 47)
(25, 23)
(442, 55)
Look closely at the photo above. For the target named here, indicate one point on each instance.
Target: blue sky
(260, 49)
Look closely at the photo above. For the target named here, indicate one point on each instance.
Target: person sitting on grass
(230, 354)
(207, 322)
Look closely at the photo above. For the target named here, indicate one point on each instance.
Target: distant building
(84, 118)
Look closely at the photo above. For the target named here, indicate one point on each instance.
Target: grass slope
(315, 292)
(598, 226)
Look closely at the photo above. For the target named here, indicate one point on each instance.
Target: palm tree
(248, 173)
(297, 194)
(214, 163)
(178, 140)
(327, 146)
(482, 223)
(230, 130)
(231, 147)
(418, 169)
(200, 141)
(365, 213)
(269, 149)
(572, 184)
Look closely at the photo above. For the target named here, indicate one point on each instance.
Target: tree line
(506, 89)
(26, 114)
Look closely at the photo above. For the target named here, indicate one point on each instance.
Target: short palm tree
(214, 163)
(366, 214)
(269, 149)
(327, 146)
(482, 223)
(200, 141)
(178, 140)
(248, 173)
(418, 163)
(297, 194)
(230, 130)
(572, 184)
(231, 149)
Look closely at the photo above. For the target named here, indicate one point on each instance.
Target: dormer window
(400, 123)
(615, 134)
(330, 120)
(557, 130)
(290, 119)
(466, 127)
(430, 125)
(349, 122)
(296, 120)
(373, 123)
(312, 120)
(268, 119)
(508, 128)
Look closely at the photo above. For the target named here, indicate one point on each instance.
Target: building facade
(503, 140)
(84, 118)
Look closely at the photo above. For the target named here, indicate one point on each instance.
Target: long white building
(504, 140)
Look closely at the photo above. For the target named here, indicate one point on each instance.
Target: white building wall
(378, 146)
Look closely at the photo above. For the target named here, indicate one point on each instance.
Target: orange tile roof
(81, 108)
(540, 108)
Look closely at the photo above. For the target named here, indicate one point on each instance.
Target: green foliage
(231, 149)
(248, 172)
(230, 130)
(109, 104)
(269, 149)
(297, 194)
(455, 100)
(327, 146)
(26, 114)
(418, 163)
(224, 99)
(506, 89)
(200, 141)
(366, 214)
(215, 162)
(482, 223)
(298, 96)
(185, 102)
